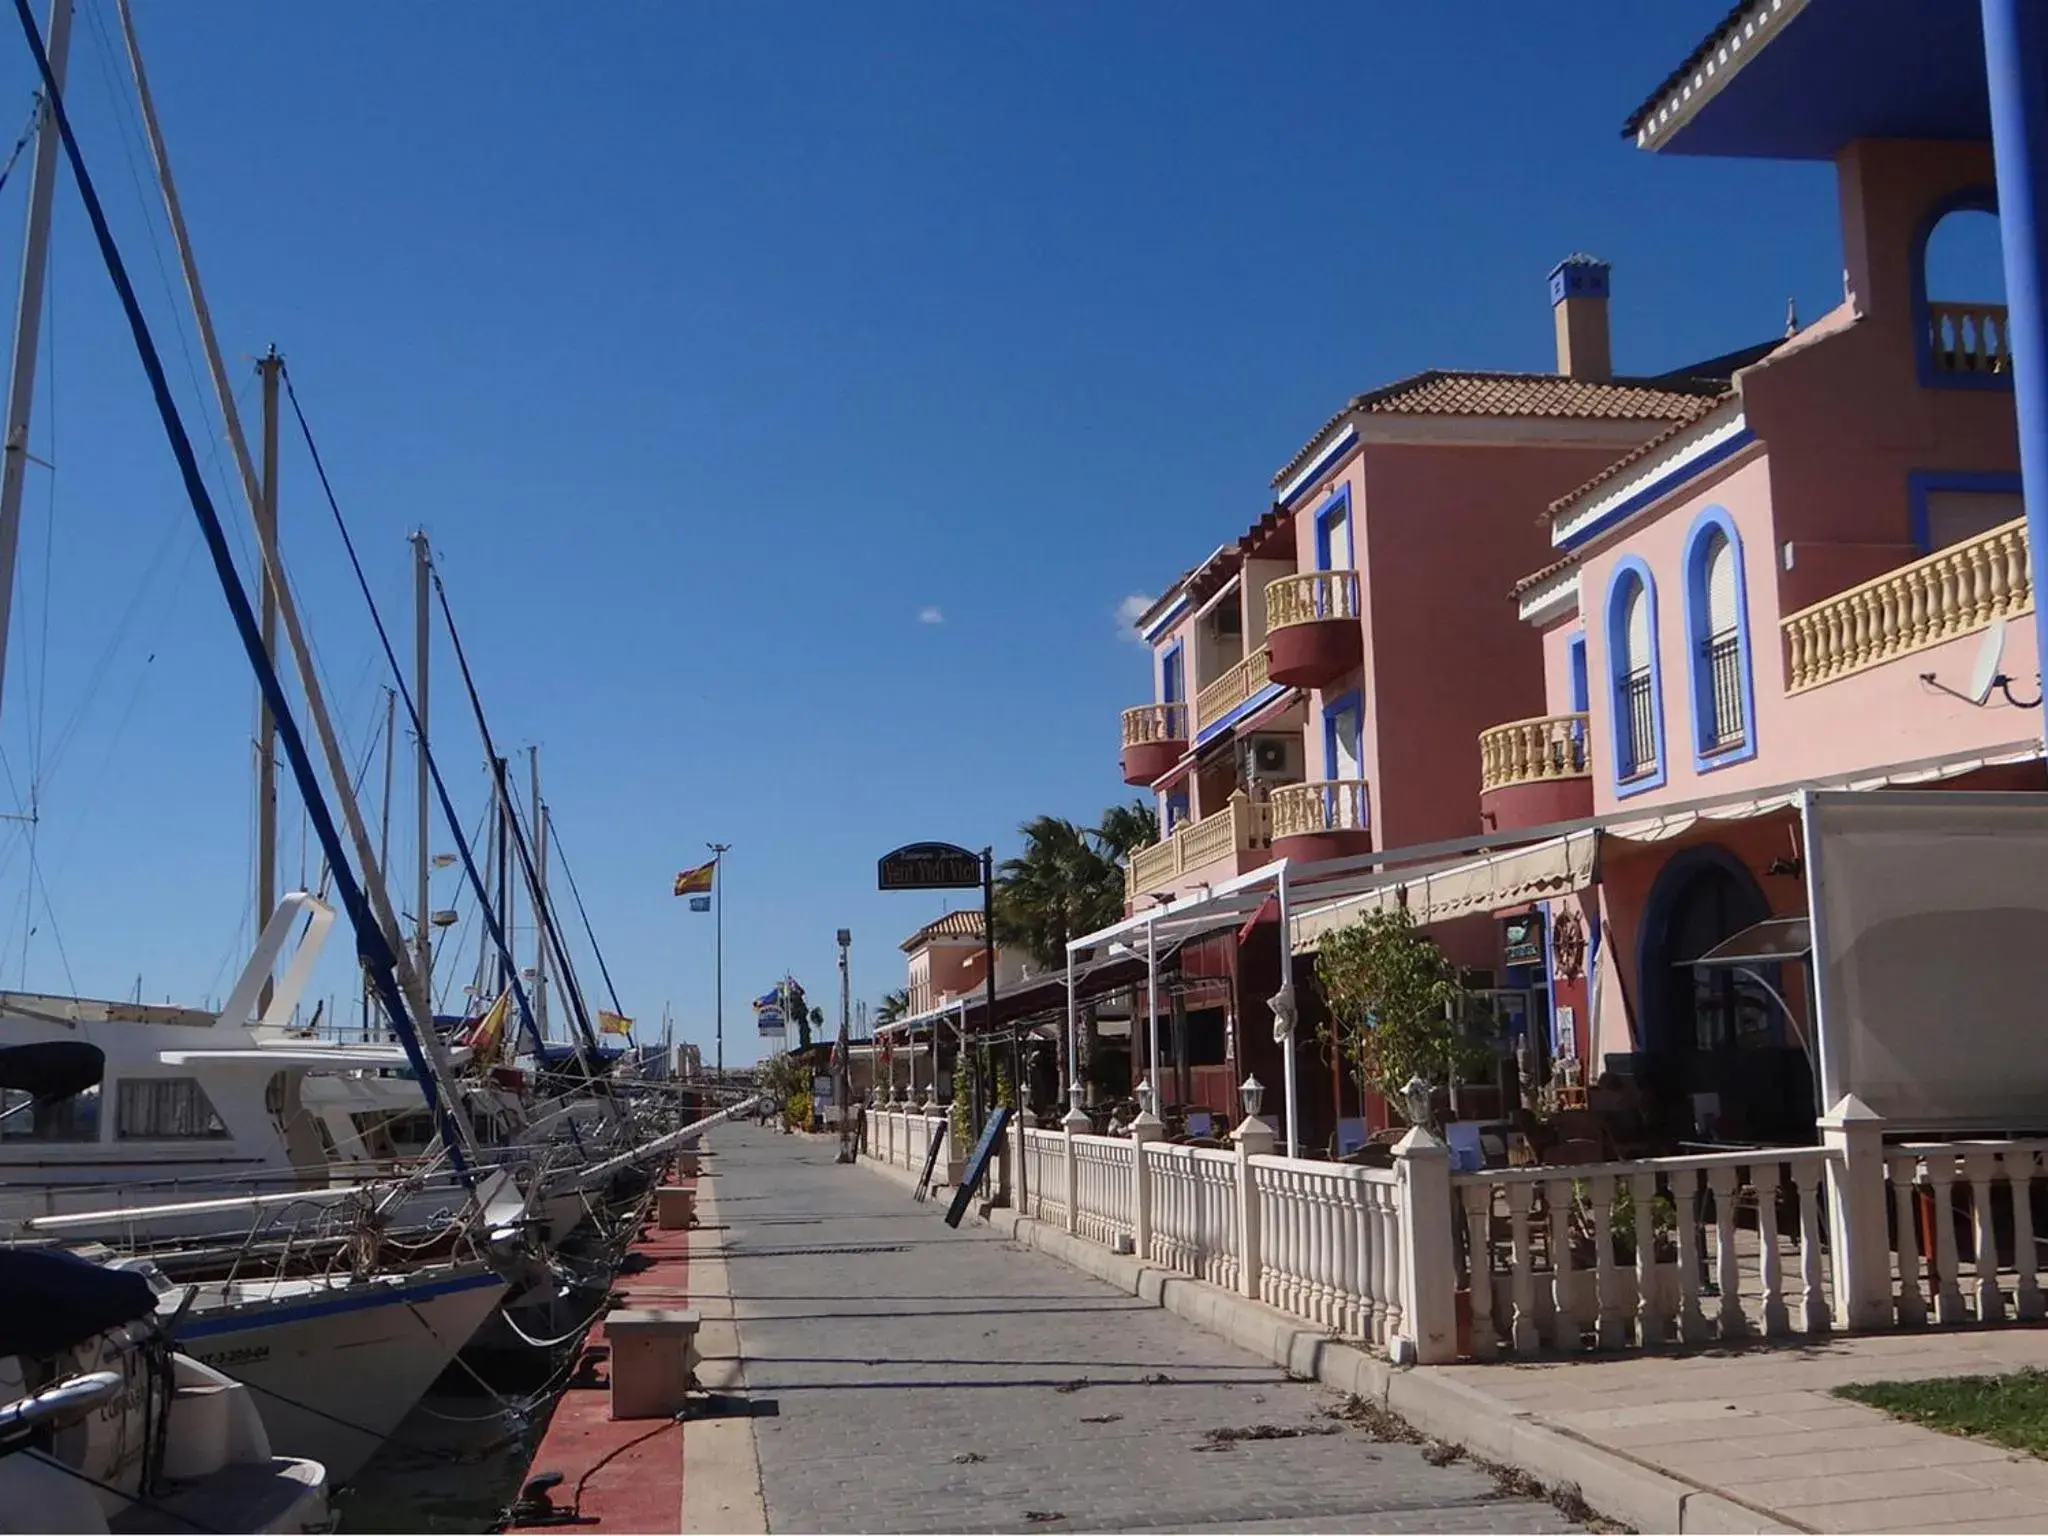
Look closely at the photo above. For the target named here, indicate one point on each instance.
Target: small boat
(104, 1427)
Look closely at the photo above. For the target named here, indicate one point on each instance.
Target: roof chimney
(1578, 297)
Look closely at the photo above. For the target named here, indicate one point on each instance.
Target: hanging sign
(769, 1020)
(928, 867)
(1523, 938)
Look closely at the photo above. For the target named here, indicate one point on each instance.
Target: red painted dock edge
(641, 1487)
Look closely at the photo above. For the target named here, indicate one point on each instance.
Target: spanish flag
(614, 1023)
(485, 1036)
(696, 882)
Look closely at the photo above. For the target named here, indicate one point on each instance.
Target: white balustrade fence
(1637, 1255)
(1045, 1174)
(1194, 1212)
(1329, 1245)
(1102, 1188)
(1523, 1261)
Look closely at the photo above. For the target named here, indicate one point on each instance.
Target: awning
(1770, 942)
(1554, 868)
(333, 1058)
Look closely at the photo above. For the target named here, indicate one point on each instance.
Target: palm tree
(1069, 879)
(895, 1005)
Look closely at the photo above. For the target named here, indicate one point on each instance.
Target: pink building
(1809, 581)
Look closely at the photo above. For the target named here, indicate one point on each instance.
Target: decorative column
(2015, 48)
(1429, 1260)
(1853, 1133)
(1145, 1130)
(1254, 1138)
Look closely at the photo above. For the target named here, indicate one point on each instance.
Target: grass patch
(2008, 1410)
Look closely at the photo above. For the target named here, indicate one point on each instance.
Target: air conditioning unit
(1273, 757)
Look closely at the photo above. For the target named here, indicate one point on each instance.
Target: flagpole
(718, 853)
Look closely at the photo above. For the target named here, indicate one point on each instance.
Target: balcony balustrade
(1312, 627)
(1535, 771)
(1231, 689)
(1155, 737)
(1322, 819)
(1239, 830)
(1948, 593)
(1969, 338)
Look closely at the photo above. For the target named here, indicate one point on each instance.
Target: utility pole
(422, 567)
(718, 853)
(841, 1094)
(267, 369)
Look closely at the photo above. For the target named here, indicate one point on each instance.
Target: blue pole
(2016, 70)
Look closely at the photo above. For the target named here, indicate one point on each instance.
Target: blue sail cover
(51, 1301)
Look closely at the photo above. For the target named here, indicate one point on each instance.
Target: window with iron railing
(1639, 741)
(1724, 670)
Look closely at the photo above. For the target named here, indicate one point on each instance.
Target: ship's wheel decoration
(1568, 945)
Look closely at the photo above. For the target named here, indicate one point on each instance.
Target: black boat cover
(50, 1301)
(51, 1069)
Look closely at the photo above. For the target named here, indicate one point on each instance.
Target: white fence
(1519, 1262)
(904, 1140)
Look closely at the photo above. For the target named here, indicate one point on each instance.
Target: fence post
(1853, 1133)
(1076, 1123)
(1429, 1260)
(1254, 1138)
(1142, 1135)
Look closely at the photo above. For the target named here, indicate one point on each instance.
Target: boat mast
(28, 320)
(384, 831)
(540, 900)
(422, 562)
(412, 988)
(266, 726)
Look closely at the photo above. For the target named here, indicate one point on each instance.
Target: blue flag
(700, 903)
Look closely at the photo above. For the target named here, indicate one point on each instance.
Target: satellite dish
(1984, 673)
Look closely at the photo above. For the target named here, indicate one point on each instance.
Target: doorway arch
(1722, 1065)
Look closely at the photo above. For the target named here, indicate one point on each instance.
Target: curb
(1614, 1484)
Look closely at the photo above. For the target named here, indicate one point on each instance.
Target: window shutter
(1638, 628)
(1720, 586)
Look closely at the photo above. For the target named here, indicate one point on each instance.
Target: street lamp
(1252, 1094)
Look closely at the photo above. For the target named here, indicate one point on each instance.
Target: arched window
(1638, 712)
(1717, 635)
(1959, 294)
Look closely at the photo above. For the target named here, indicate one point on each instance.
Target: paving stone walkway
(911, 1378)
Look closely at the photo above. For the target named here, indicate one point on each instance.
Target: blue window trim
(1628, 569)
(1920, 483)
(1699, 670)
(1332, 708)
(1338, 505)
(1167, 658)
(1977, 199)
(1577, 679)
(1672, 480)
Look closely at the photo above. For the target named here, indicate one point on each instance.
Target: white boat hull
(334, 1368)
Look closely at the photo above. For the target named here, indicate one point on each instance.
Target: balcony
(1241, 682)
(1969, 339)
(1322, 819)
(1155, 738)
(1312, 628)
(1948, 593)
(1227, 843)
(1534, 771)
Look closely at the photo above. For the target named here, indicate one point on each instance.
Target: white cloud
(1128, 612)
(930, 616)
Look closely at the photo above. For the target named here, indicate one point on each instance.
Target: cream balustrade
(1944, 1198)
(1321, 805)
(1194, 1212)
(1239, 828)
(1533, 751)
(1102, 1190)
(1149, 723)
(1231, 689)
(1311, 598)
(1329, 1245)
(1045, 1175)
(1969, 338)
(1565, 1259)
(1946, 594)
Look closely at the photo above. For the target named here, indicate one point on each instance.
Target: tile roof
(1636, 455)
(954, 925)
(1553, 396)
(1537, 578)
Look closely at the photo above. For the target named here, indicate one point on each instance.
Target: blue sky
(793, 392)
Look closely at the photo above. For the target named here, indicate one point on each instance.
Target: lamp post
(718, 853)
